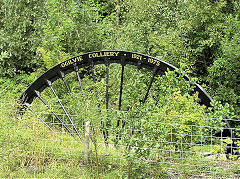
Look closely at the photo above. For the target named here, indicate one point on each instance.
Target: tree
(224, 74)
(21, 25)
(71, 28)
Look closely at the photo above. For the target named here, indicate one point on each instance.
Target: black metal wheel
(54, 89)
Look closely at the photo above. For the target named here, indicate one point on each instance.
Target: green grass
(30, 150)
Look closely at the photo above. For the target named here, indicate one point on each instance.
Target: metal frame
(104, 57)
(158, 67)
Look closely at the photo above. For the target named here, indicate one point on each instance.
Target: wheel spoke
(78, 77)
(63, 108)
(65, 83)
(118, 137)
(157, 101)
(121, 88)
(28, 106)
(107, 79)
(139, 65)
(105, 132)
(150, 84)
(91, 61)
(93, 75)
(44, 102)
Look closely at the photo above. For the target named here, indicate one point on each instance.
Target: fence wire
(155, 149)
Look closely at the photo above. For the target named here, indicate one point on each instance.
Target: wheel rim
(94, 58)
(90, 60)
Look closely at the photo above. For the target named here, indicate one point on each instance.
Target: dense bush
(203, 35)
(200, 35)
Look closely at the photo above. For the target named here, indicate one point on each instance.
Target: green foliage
(149, 129)
(20, 33)
(201, 34)
(15, 86)
(29, 150)
(224, 74)
(70, 28)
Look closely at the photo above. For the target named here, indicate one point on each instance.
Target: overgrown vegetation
(201, 37)
(137, 150)
(202, 34)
